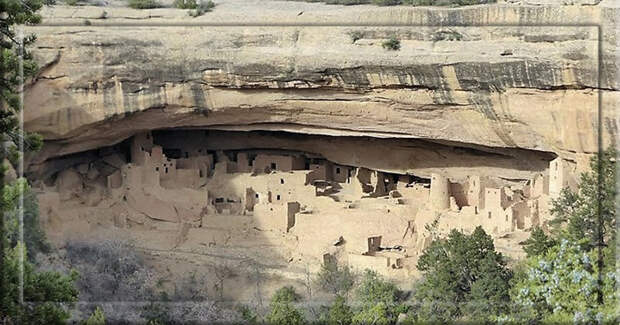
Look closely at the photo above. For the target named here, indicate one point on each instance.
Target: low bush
(185, 4)
(97, 317)
(380, 300)
(356, 35)
(144, 4)
(339, 312)
(335, 279)
(448, 35)
(201, 8)
(113, 273)
(110, 270)
(387, 2)
(34, 236)
(419, 2)
(282, 309)
(248, 314)
(393, 44)
(346, 2)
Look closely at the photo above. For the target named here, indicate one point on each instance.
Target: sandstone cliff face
(475, 78)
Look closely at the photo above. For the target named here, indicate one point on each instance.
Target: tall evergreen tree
(588, 216)
(560, 287)
(464, 278)
(47, 295)
(573, 277)
(538, 243)
(578, 214)
(15, 64)
(379, 300)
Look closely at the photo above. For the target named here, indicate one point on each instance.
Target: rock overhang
(527, 87)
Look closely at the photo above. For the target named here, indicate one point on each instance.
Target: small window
(166, 170)
(273, 165)
(156, 169)
(506, 217)
(186, 154)
(219, 200)
(278, 197)
(281, 180)
(141, 148)
(489, 214)
(256, 195)
(337, 170)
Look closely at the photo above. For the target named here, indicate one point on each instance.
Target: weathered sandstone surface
(523, 77)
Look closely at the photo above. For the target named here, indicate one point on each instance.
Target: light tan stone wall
(439, 193)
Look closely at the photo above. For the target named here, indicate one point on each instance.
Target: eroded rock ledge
(529, 87)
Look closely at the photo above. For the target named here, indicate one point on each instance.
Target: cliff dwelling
(364, 202)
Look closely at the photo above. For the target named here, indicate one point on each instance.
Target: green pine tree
(335, 279)
(561, 287)
(49, 293)
(538, 243)
(282, 309)
(339, 312)
(576, 213)
(380, 300)
(97, 318)
(464, 278)
(573, 278)
(12, 51)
